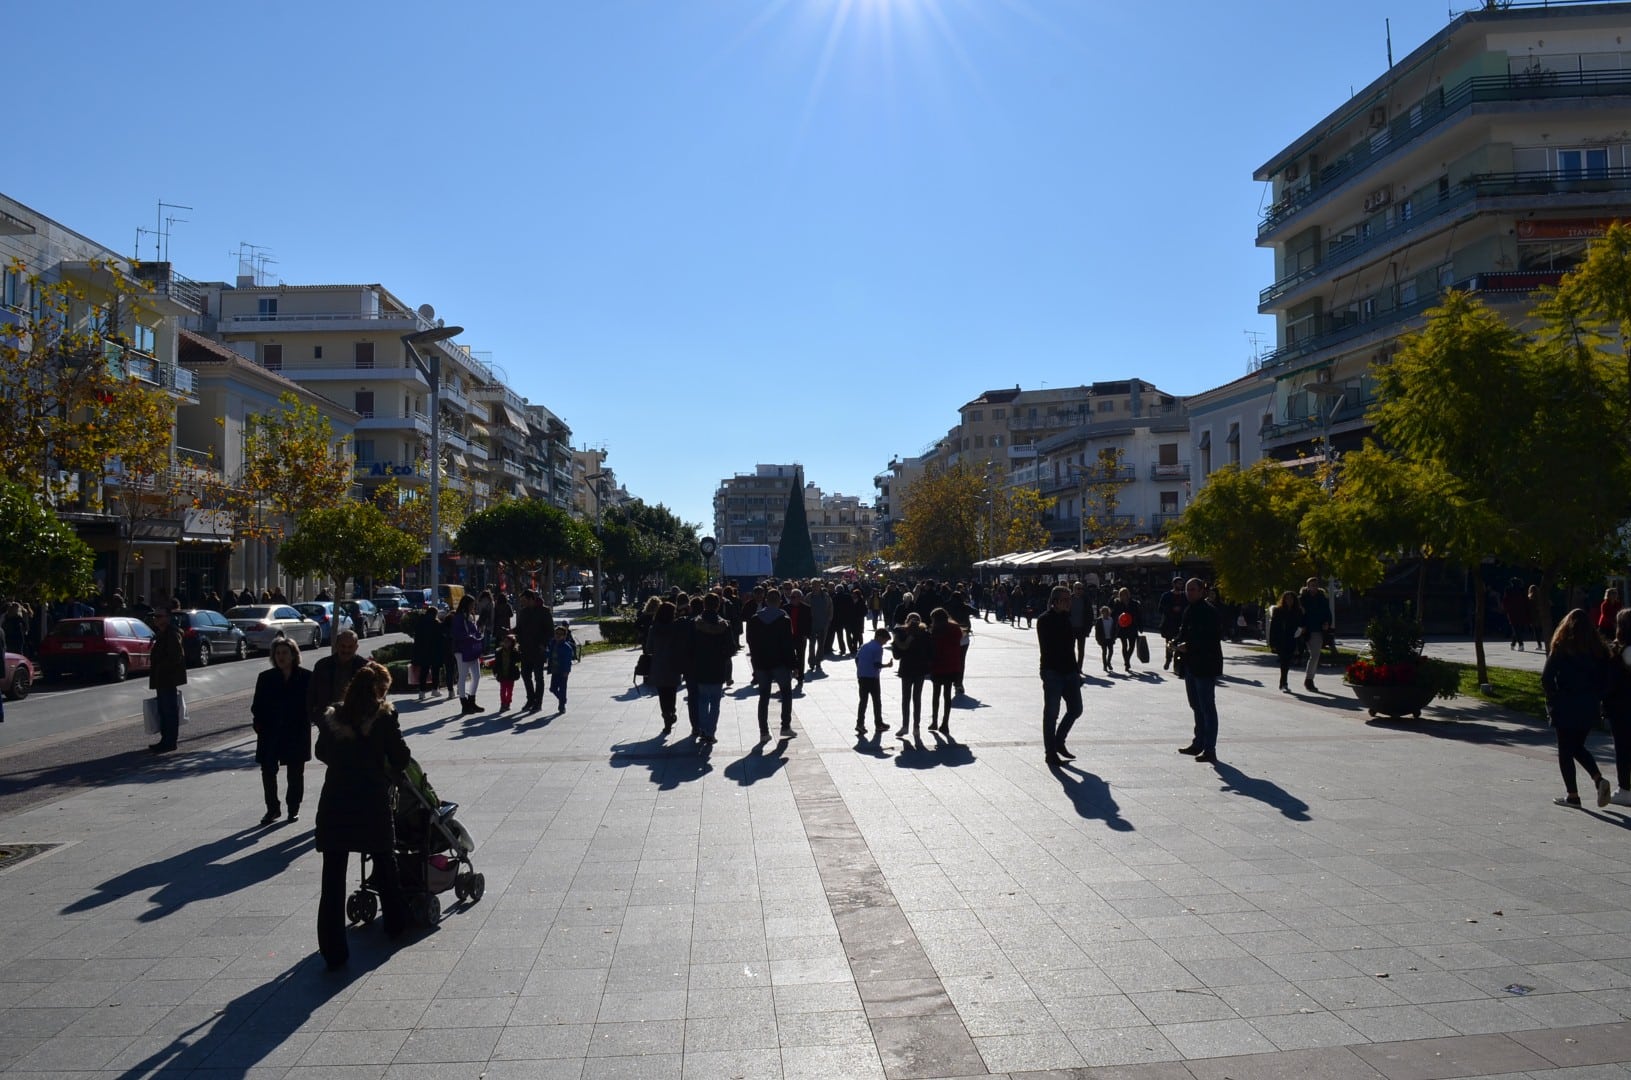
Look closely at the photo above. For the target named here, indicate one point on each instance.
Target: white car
(264, 623)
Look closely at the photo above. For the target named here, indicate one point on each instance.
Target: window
(12, 290)
(976, 415)
(266, 308)
(999, 414)
(1234, 442)
(1169, 502)
(272, 357)
(1107, 406)
(364, 354)
(1167, 453)
(316, 352)
(1589, 162)
(979, 442)
(365, 451)
(996, 440)
(363, 403)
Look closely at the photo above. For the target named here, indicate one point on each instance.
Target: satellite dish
(427, 312)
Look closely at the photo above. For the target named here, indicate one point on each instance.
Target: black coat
(770, 642)
(282, 725)
(427, 640)
(329, 678)
(1575, 686)
(712, 644)
(666, 645)
(354, 811)
(1283, 625)
(1200, 633)
(914, 651)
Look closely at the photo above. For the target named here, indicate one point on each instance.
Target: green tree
(293, 465)
(1247, 524)
(409, 510)
(1018, 517)
(341, 542)
(41, 558)
(944, 517)
(795, 556)
(1100, 492)
(1380, 509)
(641, 540)
(1600, 289)
(524, 534)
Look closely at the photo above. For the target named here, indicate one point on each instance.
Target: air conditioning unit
(1378, 199)
(1378, 116)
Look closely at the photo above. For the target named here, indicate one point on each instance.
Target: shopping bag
(181, 708)
(1143, 649)
(413, 674)
(150, 715)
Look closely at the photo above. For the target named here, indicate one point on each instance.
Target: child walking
(561, 655)
(506, 669)
(869, 664)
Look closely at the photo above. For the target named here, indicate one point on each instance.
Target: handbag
(642, 666)
(150, 713)
(1143, 647)
(1178, 664)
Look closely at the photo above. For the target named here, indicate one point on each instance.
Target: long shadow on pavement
(232, 1041)
(203, 873)
(671, 764)
(945, 751)
(1264, 791)
(1091, 796)
(757, 764)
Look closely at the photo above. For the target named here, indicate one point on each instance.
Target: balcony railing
(169, 285)
(1344, 328)
(1159, 523)
(512, 468)
(1427, 210)
(1176, 471)
(1048, 422)
(417, 420)
(1433, 111)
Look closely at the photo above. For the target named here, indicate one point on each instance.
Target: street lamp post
(598, 479)
(433, 375)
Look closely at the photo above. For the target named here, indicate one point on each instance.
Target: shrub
(1394, 638)
(619, 632)
(399, 676)
(392, 651)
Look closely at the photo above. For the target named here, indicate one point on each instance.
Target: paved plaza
(1336, 898)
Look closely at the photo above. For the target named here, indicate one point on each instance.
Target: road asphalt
(1336, 897)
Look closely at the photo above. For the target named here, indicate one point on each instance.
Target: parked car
(329, 620)
(263, 624)
(19, 676)
(391, 610)
(207, 635)
(106, 645)
(366, 617)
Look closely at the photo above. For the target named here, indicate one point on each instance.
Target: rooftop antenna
(162, 233)
(1255, 337)
(1388, 25)
(136, 255)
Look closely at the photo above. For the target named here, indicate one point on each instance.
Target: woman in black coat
(1576, 678)
(282, 727)
(1128, 624)
(1283, 623)
(665, 644)
(427, 649)
(358, 741)
(914, 658)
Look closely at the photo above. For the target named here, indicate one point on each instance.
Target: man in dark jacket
(1172, 602)
(1200, 643)
(802, 621)
(1061, 681)
(1316, 625)
(711, 646)
(771, 652)
(534, 629)
(332, 674)
(166, 678)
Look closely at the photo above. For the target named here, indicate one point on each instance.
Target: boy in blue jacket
(562, 653)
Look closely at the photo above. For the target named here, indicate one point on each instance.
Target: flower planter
(1394, 701)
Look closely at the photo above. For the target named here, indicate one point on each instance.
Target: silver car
(263, 624)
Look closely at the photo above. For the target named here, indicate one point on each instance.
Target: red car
(108, 645)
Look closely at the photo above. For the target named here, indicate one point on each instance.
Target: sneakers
(1206, 755)
(1603, 791)
(271, 816)
(1192, 749)
(1567, 800)
(1621, 797)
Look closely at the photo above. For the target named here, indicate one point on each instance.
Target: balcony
(171, 293)
(384, 323)
(477, 451)
(1049, 422)
(455, 439)
(1337, 328)
(1431, 113)
(481, 489)
(1160, 523)
(303, 371)
(1176, 471)
(512, 469)
(418, 421)
(452, 392)
(1430, 210)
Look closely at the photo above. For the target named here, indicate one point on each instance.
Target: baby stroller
(432, 854)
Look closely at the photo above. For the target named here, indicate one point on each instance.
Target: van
(450, 596)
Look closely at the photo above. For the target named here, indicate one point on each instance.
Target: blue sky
(711, 233)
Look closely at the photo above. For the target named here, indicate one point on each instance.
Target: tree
(293, 465)
(351, 541)
(1600, 288)
(1101, 495)
(1248, 526)
(943, 521)
(41, 558)
(409, 510)
(524, 534)
(795, 555)
(1018, 517)
(640, 540)
(1380, 509)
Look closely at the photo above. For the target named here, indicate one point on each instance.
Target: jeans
(331, 902)
(783, 679)
(871, 689)
(1316, 642)
(707, 697)
(1202, 692)
(667, 698)
(297, 784)
(532, 679)
(169, 716)
(911, 700)
(1571, 747)
(469, 673)
(1057, 687)
(557, 686)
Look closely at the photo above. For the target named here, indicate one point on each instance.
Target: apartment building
(549, 456)
(750, 508)
(892, 486)
(140, 336)
(1485, 160)
(1146, 492)
(1225, 423)
(506, 432)
(842, 528)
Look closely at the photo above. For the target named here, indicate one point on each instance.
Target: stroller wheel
(427, 909)
(361, 907)
(461, 887)
(478, 887)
